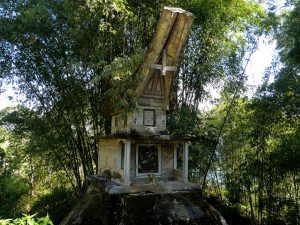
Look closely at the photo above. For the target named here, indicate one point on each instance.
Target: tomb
(140, 151)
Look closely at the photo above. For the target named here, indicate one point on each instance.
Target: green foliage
(69, 57)
(29, 169)
(2, 160)
(224, 34)
(68, 47)
(123, 80)
(287, 154)
(286, 91)
(57, 204)
(27, 219)
(12, 191)
(73, 43)
(183, 122)
(288, 35)
(256, 164)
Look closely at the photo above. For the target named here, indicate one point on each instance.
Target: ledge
(160, 187)
(178, 10)
(132, 136)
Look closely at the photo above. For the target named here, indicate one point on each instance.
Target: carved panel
(149, 117)
(135, 118)
(163, 120)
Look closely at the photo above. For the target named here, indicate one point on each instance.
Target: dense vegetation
(27, 220)
(66, 57)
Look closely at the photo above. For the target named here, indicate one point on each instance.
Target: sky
(4, 97)
(260, 60)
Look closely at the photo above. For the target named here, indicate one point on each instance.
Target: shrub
(27, 219)
(57, 204)
(12, 189)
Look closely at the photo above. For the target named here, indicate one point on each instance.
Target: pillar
(186, 162)
(127, 162)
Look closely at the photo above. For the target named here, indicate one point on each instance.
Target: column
(186, 162)
(127, 162)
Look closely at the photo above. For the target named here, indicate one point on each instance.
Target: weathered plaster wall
(135, 121)
(109, 159)
(108, 153)
(167, 157)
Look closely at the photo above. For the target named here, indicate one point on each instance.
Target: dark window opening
(116, 121)
(148, 159)
(125, 121)
(122, 154)
(179, 156)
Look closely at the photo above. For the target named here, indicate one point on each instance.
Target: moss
(98, 207)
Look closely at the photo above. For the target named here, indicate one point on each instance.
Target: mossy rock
(99, 207)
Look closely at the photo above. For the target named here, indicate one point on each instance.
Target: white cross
(164, 68)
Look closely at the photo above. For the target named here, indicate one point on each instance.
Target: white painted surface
(127, 162)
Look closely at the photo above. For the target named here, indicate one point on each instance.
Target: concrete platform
(160, 187)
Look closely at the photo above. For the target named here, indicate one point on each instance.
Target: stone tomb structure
(139, 150)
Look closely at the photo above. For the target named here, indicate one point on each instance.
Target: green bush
(27, 220)
(57, 204)
(12, 189)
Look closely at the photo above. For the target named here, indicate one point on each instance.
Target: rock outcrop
(99, 207)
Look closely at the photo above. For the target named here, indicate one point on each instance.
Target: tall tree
(63, 57)
(53, 50)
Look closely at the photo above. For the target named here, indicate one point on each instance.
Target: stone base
(139, 206)
(159, 187)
